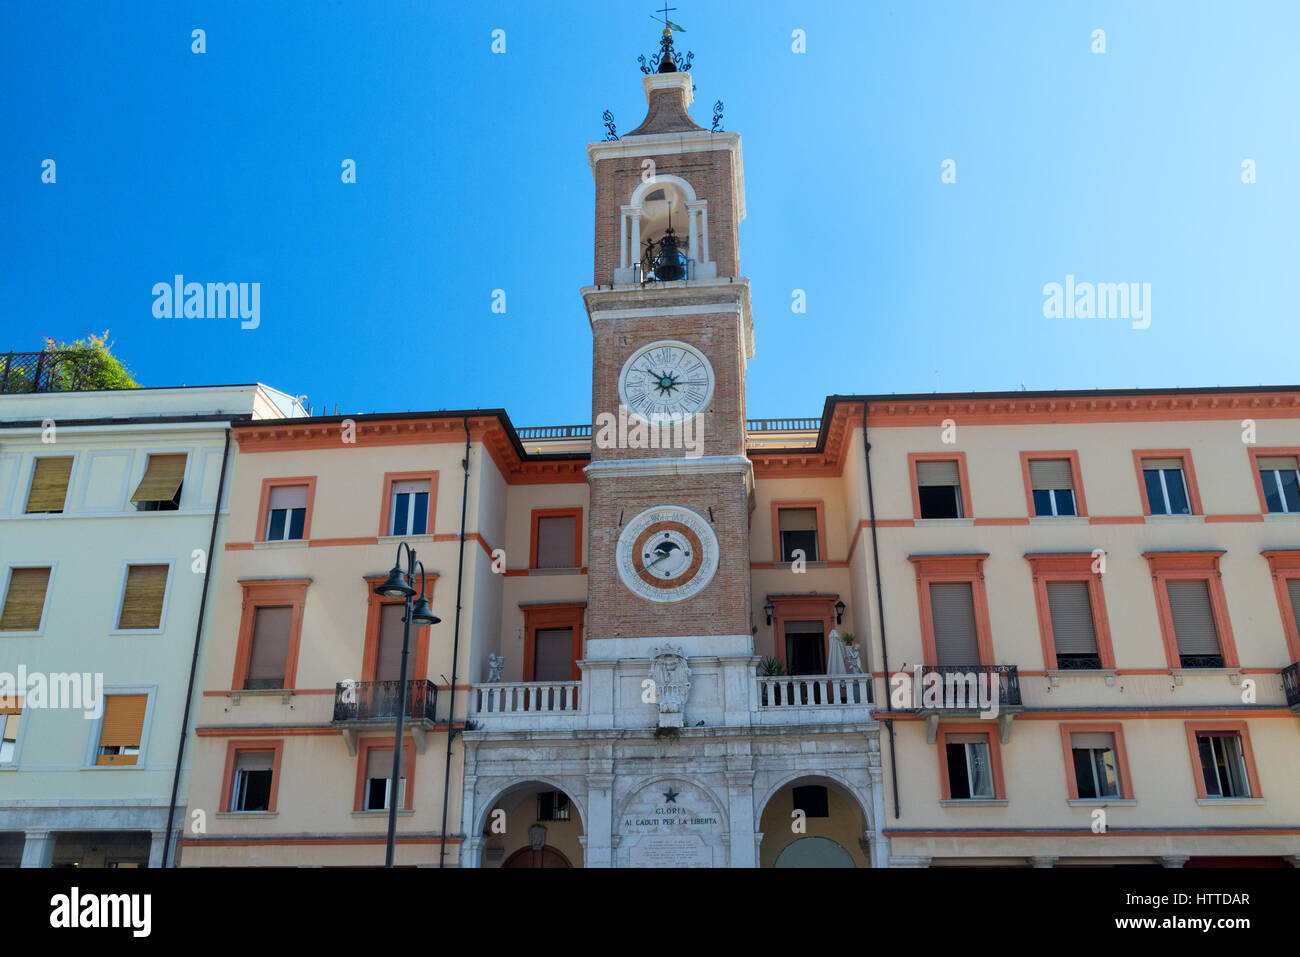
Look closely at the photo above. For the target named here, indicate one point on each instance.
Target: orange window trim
(815, 503)
(1121, 757)
(989, 728)
(952, 568)
(260, 594)
(801, 608)
(541, 617)
(1191, 566)
(1189, 474)
(1076, 472)
(264, 505)
(386, 506)
(233, 749)
(374, 616)
(1070, 568)
(1255, 453)
(1285, 565)
(967, 503)
(540, 513)
(364, 747)
(1200, 727)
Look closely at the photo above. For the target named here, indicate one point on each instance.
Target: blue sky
(472, 176)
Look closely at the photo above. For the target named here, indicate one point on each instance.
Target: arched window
(662, 204)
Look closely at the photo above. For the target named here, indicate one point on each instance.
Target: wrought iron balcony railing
(47, 371)
(1291, 683)
(377, 701)
(1201, 661)
(1007, 677)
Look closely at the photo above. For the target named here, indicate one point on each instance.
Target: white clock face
(666, 380)
(667, 554)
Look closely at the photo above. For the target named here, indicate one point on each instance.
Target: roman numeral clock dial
(666, 381)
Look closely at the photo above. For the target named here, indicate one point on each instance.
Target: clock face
(666, 380)
(667, 553)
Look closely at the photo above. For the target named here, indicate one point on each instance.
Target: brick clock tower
(670, 484)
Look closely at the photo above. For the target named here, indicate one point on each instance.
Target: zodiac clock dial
(667, 554)
(666, 380)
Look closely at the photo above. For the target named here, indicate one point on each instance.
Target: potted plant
(769, 667)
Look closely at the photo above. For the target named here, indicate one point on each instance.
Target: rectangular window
(939, 489)
(1293, 592)
(142, 598)
(1194, 628)
(11, 716)
(160, 488)
(805, 648)
(1073, 633)
(287, 513)
(388, 657)
(812, 799)
(554, 654)
(970, 769)
(268, 659)
(1280, 477)
(1052, 481)
(24, 606)
(556, 537)
(49, 484)
(121, 729)
(410, 508)
(379, 774)
(1166, 487)
(798, 527)
(1095, 767)
(952, 607)
(1223, 764)
(252, 784)
(552, 806)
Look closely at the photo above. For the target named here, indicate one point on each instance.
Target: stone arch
(811, 777)
(576, 797)
(641, 785)
(658, 182)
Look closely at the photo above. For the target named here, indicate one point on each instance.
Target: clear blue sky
(472, 175)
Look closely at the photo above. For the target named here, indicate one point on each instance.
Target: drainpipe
(455, 652)
(880, 604)
(194, 660)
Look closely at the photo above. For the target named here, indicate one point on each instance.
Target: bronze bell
(670, 264)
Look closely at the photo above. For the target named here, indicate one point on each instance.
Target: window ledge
(1229, 802)
(21, 634)
(1177, 519)
(1055, 675)
(284, 693)
(1281, 516)
(968, 802)
(394, 539)
(408, 812)
(247, 815)
(137, 633)
(1102, 802)
(949, 522)
(292, 543)
(1058, 520)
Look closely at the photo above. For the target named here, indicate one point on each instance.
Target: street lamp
(839, 612)
(401, 586)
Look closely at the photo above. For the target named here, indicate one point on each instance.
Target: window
(120, 729)
(552, 640)
(557, 538)
(552, 806)
(1096, 770)
(1223, 765)
(800, 627)
(970, 767)
(11, 716)
(1279, 477)
(1071, 605)
(410, 508)
(24, 607)
(938, 489)
(553, 656)
(1192, 609)
(388, 655)
(952, 608)
(251, 790)
(812, 799)
(1194, 630)
(49, 484)
(1052, 485)
(797, 529)
(143, 597)
(1284, 565)
(268, 660)
(805, 647)
(160, 487)
(270, 631)
(378, 790)
(1073, 635)
(1167, 482)
(287, 513)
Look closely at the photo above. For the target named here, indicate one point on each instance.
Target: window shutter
(25, 599)
(1093, 741)
(797, 519)
(553, 654)
(255, 761)
(162, 478)
(142, 600)
(555, 541)
(288, 496)
(270, 653)
(1150, 464)
(952, 605)
(1193, 618)
(937, 473)
(410, 488)
(1293, 589)
(1051, 474)
(49, 484)
(123, 721)
(1071, 610)
(379, 763)
(388, 656)
(1285, 463)
(967, 738)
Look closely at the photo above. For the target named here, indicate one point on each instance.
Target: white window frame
(24, 719)
(1056, 511)
(1240, 762)
(1281, 492)
(410, 510)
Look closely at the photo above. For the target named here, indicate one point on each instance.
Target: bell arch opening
(664, 234)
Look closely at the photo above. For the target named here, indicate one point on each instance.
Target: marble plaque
(671, 824)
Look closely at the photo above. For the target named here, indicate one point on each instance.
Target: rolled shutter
(553, 654)
(797, 519)
(1051, 474)
(1293, 589)
(555, 547)
(49, 484)
(937, 473)
(966, 738)
(288, 496)
(388, 656)
(1193, 616)
(1093, 741)
(379, 763)
(1150, 464)
(162, 478)
(952, 606)
(122, 726)
(255, 761)
(270, 653)
(142, 600)
(1284, 463)
(24, 599)
(411, 488)
(1072, 625)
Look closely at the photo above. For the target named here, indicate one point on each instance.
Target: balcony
(813, 699)
(52, 370)
(1291, 685)
(528, 705)
(959, 687)
(359, 705)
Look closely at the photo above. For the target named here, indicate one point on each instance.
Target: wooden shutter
(49, 484)
(1193, 616)
(388, 656)
(797, 519)
(1284, 463)
(1051, 474)
(1072, 625)
(25, 599)
(555, 546)
(142, 600)
(162, 478)
(1293, 589)
(379, 763)
(553, 654)
(952, 606)
(937, 473)
(269, 656)
(122, 726)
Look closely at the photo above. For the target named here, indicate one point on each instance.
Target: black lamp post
(401, 585)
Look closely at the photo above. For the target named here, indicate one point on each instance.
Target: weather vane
(665, 61)
(663, 18)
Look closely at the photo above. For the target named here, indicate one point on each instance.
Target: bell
(670, 264)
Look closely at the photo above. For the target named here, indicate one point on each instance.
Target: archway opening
(533, 824)
(814, 821)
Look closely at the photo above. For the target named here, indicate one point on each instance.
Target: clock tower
(670, 484)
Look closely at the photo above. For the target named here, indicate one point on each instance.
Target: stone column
(158, 839)
(879, 842)
(634, 256)
(693, 235)
(600, 820)
(740, 808)
(38, 849)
